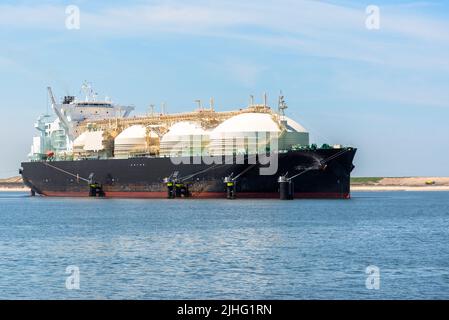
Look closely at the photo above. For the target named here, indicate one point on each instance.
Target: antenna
(281, 105)
(152, 109)
(212, 102)
(265, 99)
(251, 100)
(86, 88)
(200, 106)
(163, 108)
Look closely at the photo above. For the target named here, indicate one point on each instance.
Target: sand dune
(13, 184)
(403, 184)
(399, 188)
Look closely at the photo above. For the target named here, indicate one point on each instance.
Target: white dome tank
(243, 134)
(79, 142)
(88, 141)
(184, 138)
(250, 133)
(134, 140)
(91, 144)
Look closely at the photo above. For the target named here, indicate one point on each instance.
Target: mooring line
(66, 172)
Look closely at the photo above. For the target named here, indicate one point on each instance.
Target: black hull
(327, 176)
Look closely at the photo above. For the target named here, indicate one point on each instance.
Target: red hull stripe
(203, 195)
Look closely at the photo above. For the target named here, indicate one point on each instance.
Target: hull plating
(143, 177)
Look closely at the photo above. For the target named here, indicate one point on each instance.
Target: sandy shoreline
(399, 188)
(24, 189)
(402, 184)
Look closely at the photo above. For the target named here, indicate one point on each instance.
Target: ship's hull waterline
(323, 173)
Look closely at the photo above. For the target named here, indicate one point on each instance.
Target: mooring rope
(322, 162)
(200, 172)
(66, 172)
(244, 171)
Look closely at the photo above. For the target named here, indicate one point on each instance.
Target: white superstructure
(57, 135)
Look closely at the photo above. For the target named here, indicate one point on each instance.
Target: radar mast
(282, 105)
(281, 110)
(89, 93)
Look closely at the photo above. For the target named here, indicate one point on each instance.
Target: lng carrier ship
(95, 148)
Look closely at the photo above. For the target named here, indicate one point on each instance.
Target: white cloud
(32, 17)
(295, 17)
(406, 39)
(310, 27)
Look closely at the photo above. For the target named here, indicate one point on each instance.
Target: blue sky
(384, 91)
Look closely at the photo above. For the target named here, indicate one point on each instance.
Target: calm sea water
(242, 249)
